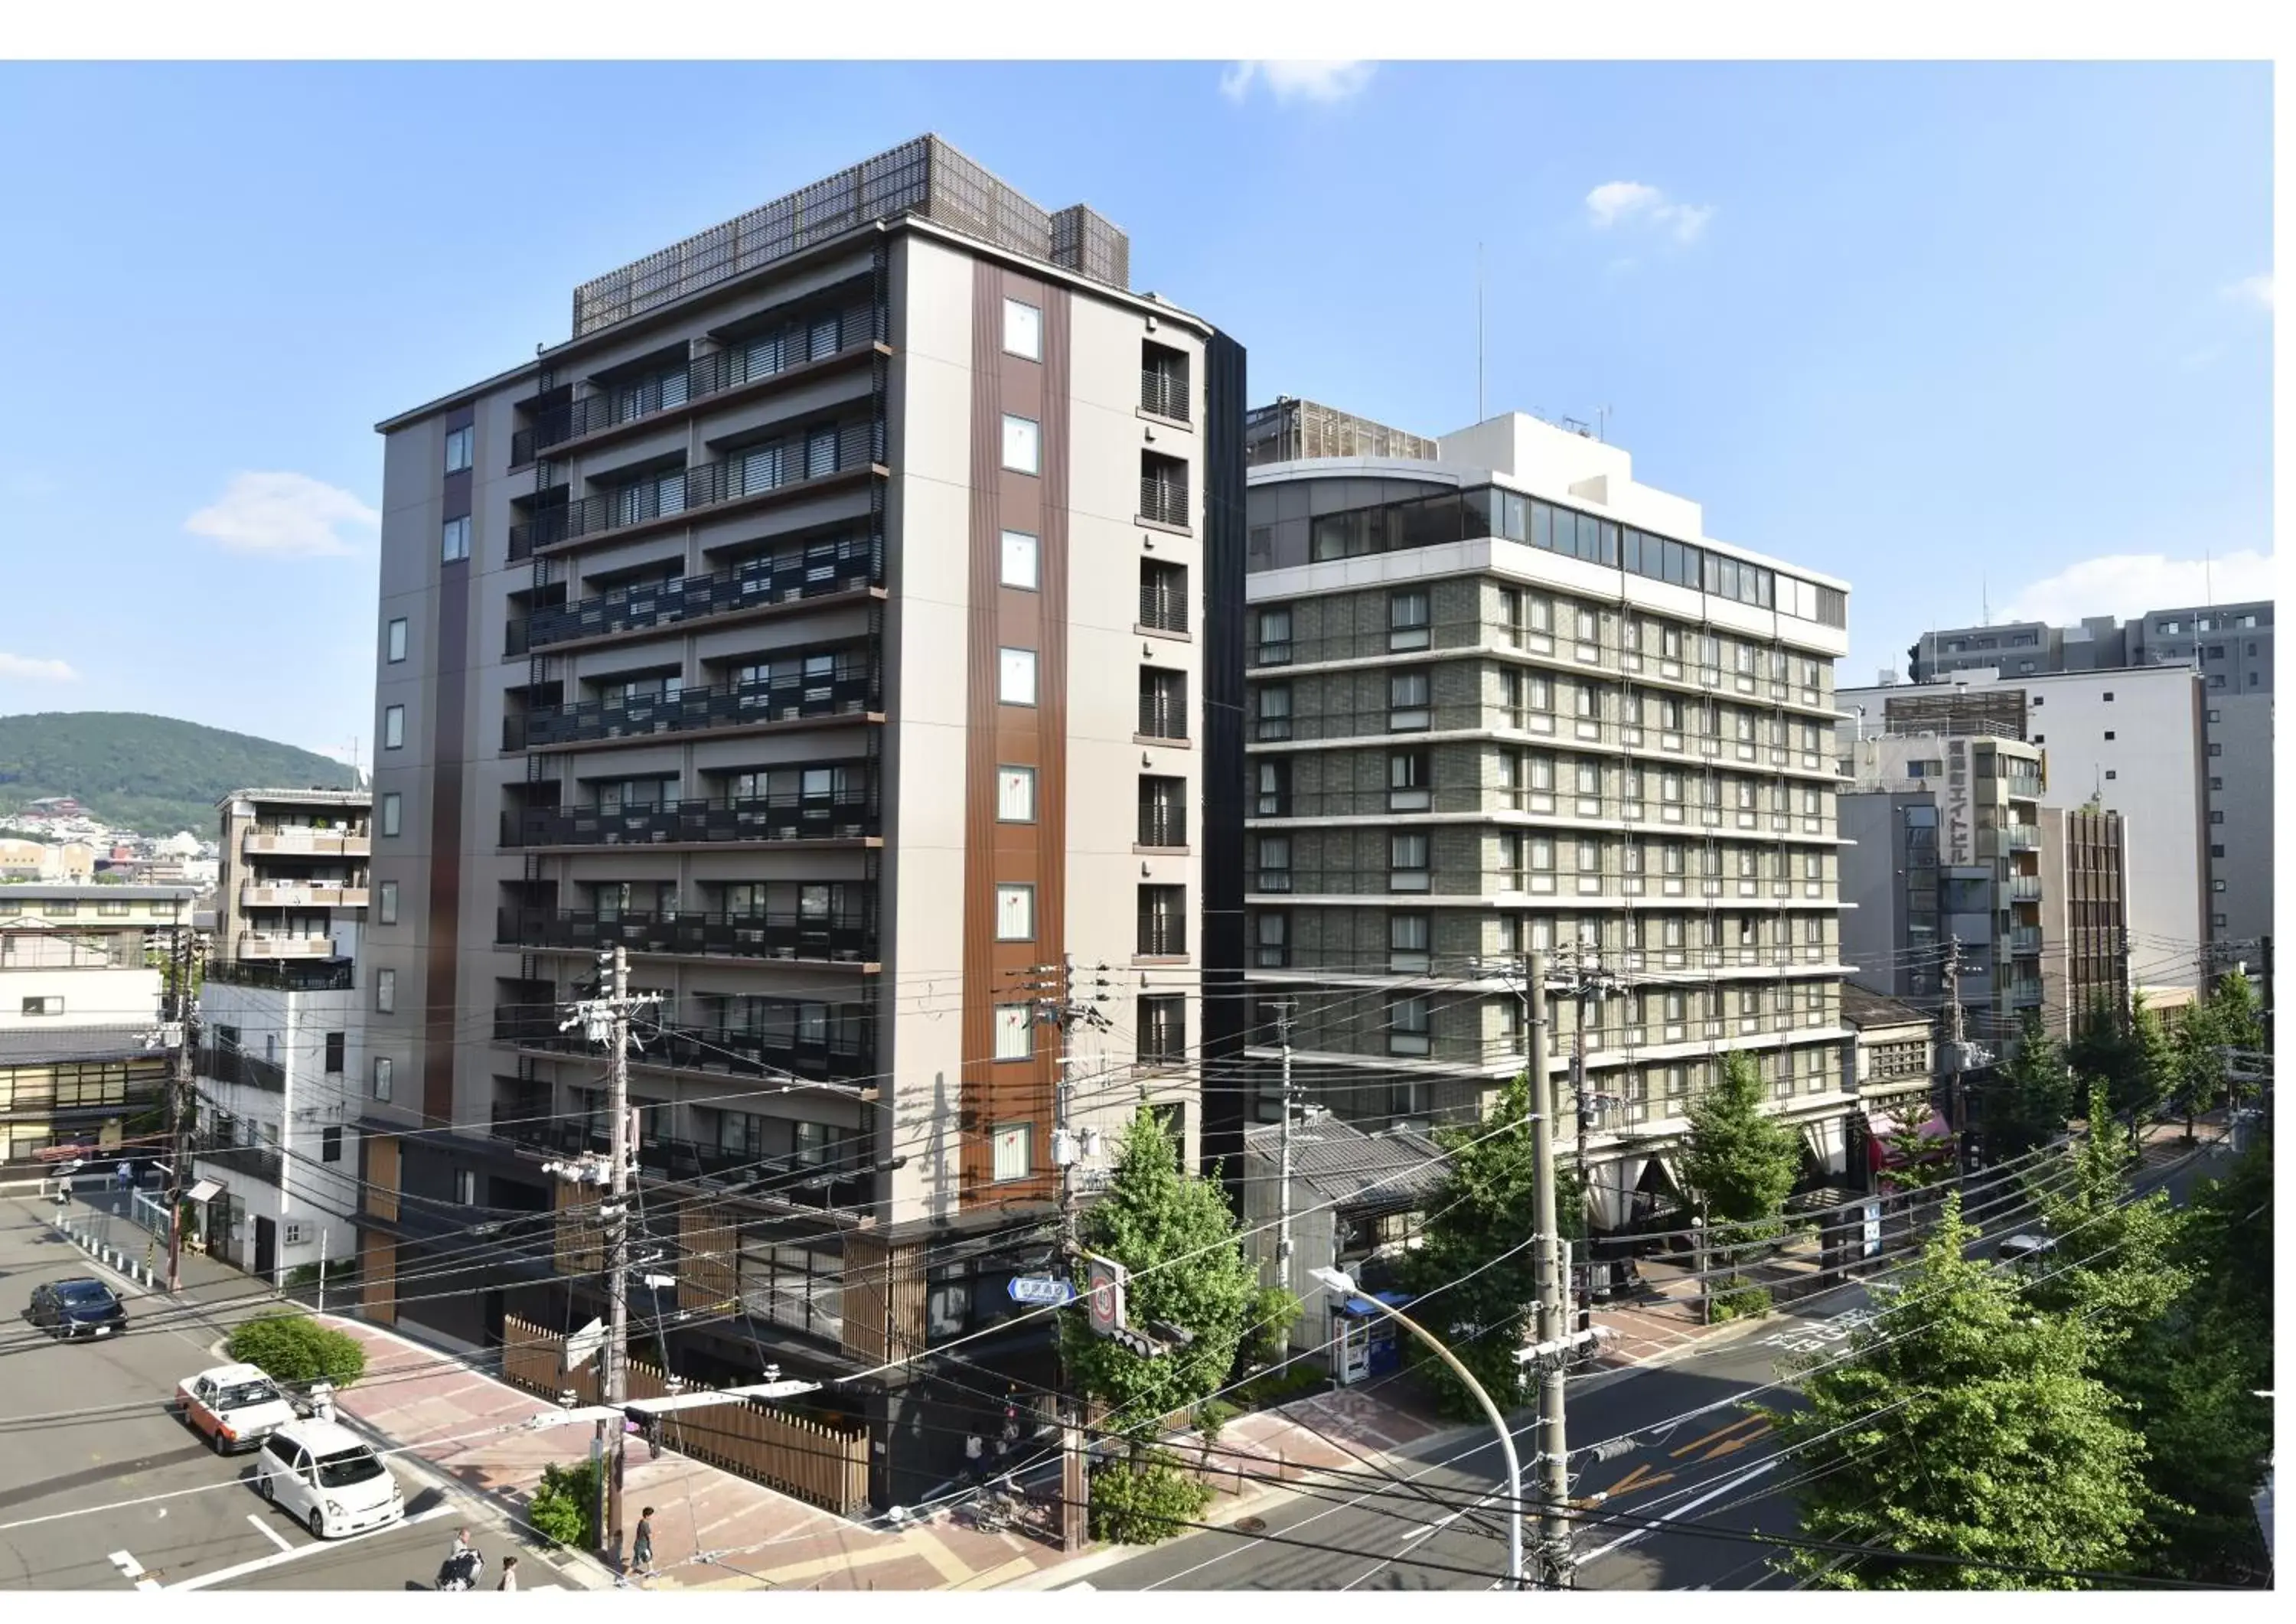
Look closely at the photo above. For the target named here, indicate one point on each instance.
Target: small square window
(49, 1004)
(2108, 696)
(394, 642)
(1020, 446)
(1010, 1151)
(2216, 783)
(2215, 885)
(2215, 817)
(1014, 1032)
(331, 1144)
(454, 540)
(1024, 330)
(390, 805)
(2216, 749)
(2216, 852)
(2215, 717)
(2110, 735)
(386, 903)
(394, 727)
(2040, 738)
(2220, 920)
(1016, 913)
(466, 1187)
(2108, 773)
(1016, 794)
(1017, 565)
(386, 992)
(1016, 677)
(381, 1077)
(460, 445)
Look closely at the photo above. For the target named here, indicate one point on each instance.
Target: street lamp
(1338, 1283)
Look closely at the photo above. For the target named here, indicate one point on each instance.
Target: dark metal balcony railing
(838, 1180)
(1163, 933)
(1164, 393)
(751, 473)
(849, 816)
(1163, 711)
(226, 1064)
(856, 328)
(820, 571)
(851, 690)
(724, 1051)
(250, 1163)
(1164, 501)
(327, 976)
(769, 936)
(1164, 603)
(1163, 822)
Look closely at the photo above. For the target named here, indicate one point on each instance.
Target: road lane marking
(1736, 1443)
(1719, 1432)
(1634, 1482)
(147, 1584)
(1679, 1511)
(263, 1528)
(127, 1565)
(262, 1563)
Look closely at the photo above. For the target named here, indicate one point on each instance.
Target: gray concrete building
(845, 622)
(2230, 646)
(1506, 698)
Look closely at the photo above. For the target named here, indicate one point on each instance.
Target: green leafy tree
(2114, 1265)
(2239, 1016)
(2127, 1052)
(290, 1346)
(564, 1508)
(1155, 1216)
(2032, 1097)
(1739, 1164)
(2196, 1066)
(1473, 1246)
(1268, 1321)
(1965, 1426)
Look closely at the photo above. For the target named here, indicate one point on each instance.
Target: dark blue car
(78, 1309)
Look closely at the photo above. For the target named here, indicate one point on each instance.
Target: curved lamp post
(1334, 1281)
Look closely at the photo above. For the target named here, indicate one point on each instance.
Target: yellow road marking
(1634, 1482)
(1719, 1432)
(1736, 1443)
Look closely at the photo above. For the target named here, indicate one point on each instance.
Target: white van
(322, 1475)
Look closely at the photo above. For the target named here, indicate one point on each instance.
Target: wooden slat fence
(821, 1463)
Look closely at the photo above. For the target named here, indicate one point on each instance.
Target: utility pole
(606, 1020)
(1591, 986)
(1065, 1011)
(1554, 1473)
(1283, 1163)
(1957, 1046)
(180, 1028)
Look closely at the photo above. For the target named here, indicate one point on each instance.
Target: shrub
(1281, 1386)
(1737, 1298)
(565, 1506)
(1213, 1414)
(290, 1346)
(1143, 1501)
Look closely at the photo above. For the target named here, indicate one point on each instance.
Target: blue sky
(1941, 329)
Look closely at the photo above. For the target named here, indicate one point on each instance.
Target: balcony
(1163, 705)
(2024, 888)
(2023, 837)
(304, 843)
(227, 1065)
(791, 937)
(2025, 941)
(1164, 601)
(2025, 995)
(838, 1178)
(790, 353)
(741, 477)
(256, 944)
(852, 816)
(850, 564)
(302, 896)
(1163, 822)
(336, 977)
(851, 689)
(238, 1163)
(719, 1051)
(1164, 393)
(1164, 501)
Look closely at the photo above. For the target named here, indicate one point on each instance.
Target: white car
(232, 1406)
(321, 1474)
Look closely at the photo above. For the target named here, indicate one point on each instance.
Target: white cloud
(2125, 583)
(27, 670)
(284, 515)
(1626, 202)
(1289, 81)
(2250, 291)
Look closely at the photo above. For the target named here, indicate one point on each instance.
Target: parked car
(78, 1309)
(232, 1406)
(2025, 1251)
(320, 1473)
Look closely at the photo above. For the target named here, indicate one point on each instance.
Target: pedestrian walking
(509, 1580)
(126, 1174)
(642, 1548)
(973, 1450)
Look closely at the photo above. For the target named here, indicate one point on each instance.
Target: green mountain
(152, 774)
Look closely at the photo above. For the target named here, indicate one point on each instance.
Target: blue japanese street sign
(1040, 1289)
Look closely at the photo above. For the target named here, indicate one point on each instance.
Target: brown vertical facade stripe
(449, 751)
(1000, 1093)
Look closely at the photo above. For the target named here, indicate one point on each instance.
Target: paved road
(100, 1488)
(1713, 1473)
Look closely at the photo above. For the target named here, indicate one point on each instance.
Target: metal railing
(289, 977)
(2025, 940)
(765, 936)
(1164, 601)
(1554, 730)
(1164, 393)
(1163, 933)
(302, 896)
(849, 816)
(722, 1051)
(1163, 822)
(1450, 965)
(257, 1163)
(858, 327)
(306, 842)
(2024, 888)
(2025, 995)
(821, 569)
(852, 690)
(838, 1180)
(2024, 836)
(258, 944)
(226, 1064)
(755, 471)
(1163, 711)
(1164, 501)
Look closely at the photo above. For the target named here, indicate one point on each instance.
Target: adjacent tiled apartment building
(282, 1043)
(1503, 698)
(834, 622)
(2230, 646)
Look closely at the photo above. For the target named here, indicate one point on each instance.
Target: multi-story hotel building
(1504, 698)
(844, 621)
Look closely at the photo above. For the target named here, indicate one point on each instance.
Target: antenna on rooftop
(1479, 332)
(1602, 425)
